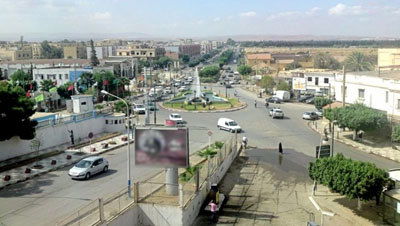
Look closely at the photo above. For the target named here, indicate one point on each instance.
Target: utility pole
(344, 86)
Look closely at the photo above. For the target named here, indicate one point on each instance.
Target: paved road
(43, 200)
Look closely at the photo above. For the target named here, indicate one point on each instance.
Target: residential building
(380, 91)
(16, 53)
(141, 52)
(312, 82)
(388, 59)
(102, 52)
(59, 76)
(75, 52)
(206, 47)
(174, 49)
(258, 58)
(190, 50)
(216, 44)
(36, 51)
(172, 55)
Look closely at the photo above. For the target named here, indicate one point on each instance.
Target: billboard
(162, 147)
(299, 83)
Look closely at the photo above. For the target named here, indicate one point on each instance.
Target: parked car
(139, 109)
(175, 117)
(305, 98)
(310, 101)
(276, 113)
(229, 125)
(320, 113)
(310, 115)
(228, 85)
(88, 167)
(275, 100)
(182, 88)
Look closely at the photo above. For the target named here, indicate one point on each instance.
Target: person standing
(213, 208)
(71, 136)
(280, 148)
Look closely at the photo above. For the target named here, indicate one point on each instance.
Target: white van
(229, 125)
(283, 95)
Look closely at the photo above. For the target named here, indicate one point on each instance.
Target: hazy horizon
(177, 18)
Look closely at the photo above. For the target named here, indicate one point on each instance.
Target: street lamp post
(129, 147)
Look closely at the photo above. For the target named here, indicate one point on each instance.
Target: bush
(396, 134)
(208, 152)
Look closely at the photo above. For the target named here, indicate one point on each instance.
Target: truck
(283, 95)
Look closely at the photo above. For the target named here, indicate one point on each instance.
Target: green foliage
(163, 62)
(283, 85)
(396, 134)
(230, 42)
(354, 179)
(325, 61)
(219, 144)
(225, 57)
(46, 85)
(21, 76)
(16, 110)
(193, 62)
(293, 65)
(86, 80)
(120, 106)
(208, 152)
(357, 61)
(244, 69)
(267, 82)
(50, 52)
(209, 74)
(100, 77)
(189, 173)
(323, 43)
(185, 59)
(321, 102)
(93, 58)
(63, 91)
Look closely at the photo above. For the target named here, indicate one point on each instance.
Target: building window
(106, 121)
(41, 77)
(326, 80)
(316, 81)
(120, 121)
(116, 122)
(361, 93)
(83, 103)
(60, 76)
(387, 97)
(48, 76)
(309, 79)
(66, 76)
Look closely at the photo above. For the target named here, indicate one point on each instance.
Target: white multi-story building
(59, 76)
(380, 91)
(102, 52)
(313, 82)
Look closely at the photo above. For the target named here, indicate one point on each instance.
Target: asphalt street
(48, 198)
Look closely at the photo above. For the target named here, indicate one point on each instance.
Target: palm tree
(357, 61)
(45, 85)
(86, 79)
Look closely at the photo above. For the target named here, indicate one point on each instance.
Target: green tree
(50, 52)
(105, 76)
(185, 59)
(283, 85)
(244, 69)
(321, 102)
(1, 74)
(21, 76)
(293, 65)
(209, 73)
(230, 42)
(120, 106)
(63, 91)
(325, 61)
(357, 61)
(267, 82)
(354, 179)
(93, 57)
(15, 112)
(396, 134)
(163, 62)
(359, 117)
(46, 85)
(86, 80)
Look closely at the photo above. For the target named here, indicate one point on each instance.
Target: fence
(58, 119)
(152, 190)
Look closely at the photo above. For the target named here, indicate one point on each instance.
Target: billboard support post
(171, 179)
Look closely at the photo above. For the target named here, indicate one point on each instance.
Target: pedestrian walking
(255, 103)
(71, 136)
(280, 148)
(213, 208)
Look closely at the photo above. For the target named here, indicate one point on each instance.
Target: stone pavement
(383, 149)
(265, 191)
(60, 161)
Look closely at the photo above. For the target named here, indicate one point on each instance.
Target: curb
(354, 146)
(213, 111)
(63, 165)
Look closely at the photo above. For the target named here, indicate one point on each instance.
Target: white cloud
(291, 14)
(342, 9)
(217, 19)
(101, 16)
(200, 22)
(248, 14)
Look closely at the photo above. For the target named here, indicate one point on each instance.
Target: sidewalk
(383, 149)
(66, 158)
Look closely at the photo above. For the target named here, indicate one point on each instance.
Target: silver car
(88, 167)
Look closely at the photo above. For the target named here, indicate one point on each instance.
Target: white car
(310, 115)
(182, 88)
(320, 113)
(175, 117)
(229, 125)
(88, 167)
(276, 113)
(139, 109)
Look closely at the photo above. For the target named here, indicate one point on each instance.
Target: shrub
(396, 134)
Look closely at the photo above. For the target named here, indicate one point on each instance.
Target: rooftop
(49, 61)
(259, 56)
(395, 75)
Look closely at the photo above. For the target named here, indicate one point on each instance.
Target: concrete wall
(58, 135)
(131, 217)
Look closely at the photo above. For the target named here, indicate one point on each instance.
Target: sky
(197, 18)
